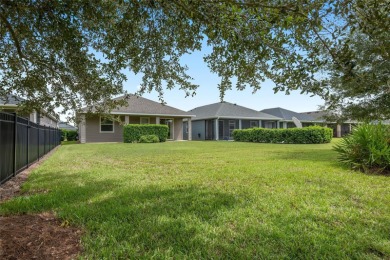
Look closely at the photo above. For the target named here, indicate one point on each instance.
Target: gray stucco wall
(46, 121)
(93, 131)
(198, 127)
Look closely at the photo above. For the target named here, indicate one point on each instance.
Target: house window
(106, 125)
(144, 120)
(253, 124)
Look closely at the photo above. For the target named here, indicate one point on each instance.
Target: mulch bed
(35, 236)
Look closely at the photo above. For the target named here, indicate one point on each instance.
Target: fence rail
(23, 142)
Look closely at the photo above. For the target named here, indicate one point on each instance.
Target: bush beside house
(133, 132)
(306, 135)
(69, 135)
(149, 139)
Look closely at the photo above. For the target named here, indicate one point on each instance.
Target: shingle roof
(66, 126)
(10, 100)
(143, 106)
(228, 110)
(320, 116)
(288, 114)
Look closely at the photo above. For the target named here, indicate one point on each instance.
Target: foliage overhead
(76, 53)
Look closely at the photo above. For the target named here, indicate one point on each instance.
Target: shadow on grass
(136, 221)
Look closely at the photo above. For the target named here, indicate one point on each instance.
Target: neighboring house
(66, 126)
(287, 117)
(217, 121)
(94, 128)
(10, 104)
(339, 130)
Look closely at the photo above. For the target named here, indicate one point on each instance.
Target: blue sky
(208, 92)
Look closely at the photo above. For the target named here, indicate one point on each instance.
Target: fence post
(44, 140)
(28, 143)
(39, 144)
(15, 137)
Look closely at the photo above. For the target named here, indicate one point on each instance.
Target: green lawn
(220, 200)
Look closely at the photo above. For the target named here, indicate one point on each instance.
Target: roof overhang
(235, 117)
(145, 114)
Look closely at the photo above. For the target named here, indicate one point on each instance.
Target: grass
(69, 142)
(216, 200)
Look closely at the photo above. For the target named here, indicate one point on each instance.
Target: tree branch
(13, 34)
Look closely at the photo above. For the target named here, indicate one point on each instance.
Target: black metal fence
(23, 142)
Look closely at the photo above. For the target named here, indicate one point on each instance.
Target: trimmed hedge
(305, 135)
(69, 135)
(133, 132)
(149, 139)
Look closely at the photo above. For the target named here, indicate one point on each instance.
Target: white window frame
(140, 120)
(106, 132)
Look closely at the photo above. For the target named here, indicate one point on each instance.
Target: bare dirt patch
(38, 236)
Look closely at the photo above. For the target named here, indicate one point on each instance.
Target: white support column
(350, 128)
(157, 120)
(239, 124)
(285, 125)
(189, 129)
(127, 120)
(216, 129)
(260, 123)
(338, 130)
(82, 130)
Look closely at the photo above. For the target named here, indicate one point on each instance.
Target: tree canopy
(74, 53)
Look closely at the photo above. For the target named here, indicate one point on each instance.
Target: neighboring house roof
(287, 115)
(320, 116)
(229, 110)
(142, 106)
(10, 100)
(66, 126)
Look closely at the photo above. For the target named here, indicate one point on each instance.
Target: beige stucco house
(139, 110)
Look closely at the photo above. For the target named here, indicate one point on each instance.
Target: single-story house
(339, 129)
(67, 126)
(288, 115)
(10, 104)
(217, 121)
(139, 110)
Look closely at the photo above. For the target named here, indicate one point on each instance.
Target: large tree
(75, 53)
(358, 81)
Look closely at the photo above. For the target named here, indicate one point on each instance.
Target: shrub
(306, 135)
(149, 139)
(69, 135)
(63, 134)
(367, 148)
(132, 132)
